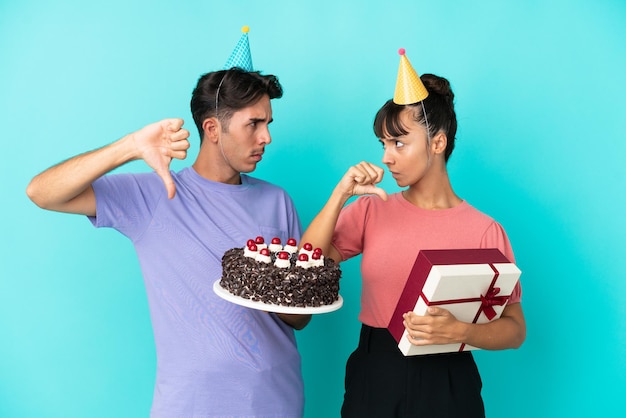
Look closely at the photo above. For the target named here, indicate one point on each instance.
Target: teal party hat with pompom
(241, 57)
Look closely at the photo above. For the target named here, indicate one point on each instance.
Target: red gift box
(473, 284)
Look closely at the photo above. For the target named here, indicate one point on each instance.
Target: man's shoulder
(121, 179)
(257, 182)
(140, 176)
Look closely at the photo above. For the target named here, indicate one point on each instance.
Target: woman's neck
(433, 193)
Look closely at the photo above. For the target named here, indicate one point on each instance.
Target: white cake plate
(270, 307)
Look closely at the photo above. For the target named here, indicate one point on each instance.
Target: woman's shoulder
(470, 211)
(374, 200)
(370, 203)
(485, 222)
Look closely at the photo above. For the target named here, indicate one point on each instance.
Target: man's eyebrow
(261, 120)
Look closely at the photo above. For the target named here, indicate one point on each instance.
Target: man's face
(248, 134)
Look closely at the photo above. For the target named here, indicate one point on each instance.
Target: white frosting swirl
(290, 248)
(249, 253)
(275, 248)
(303, 263)
(282, 263)
(262, 258)
(317, 263)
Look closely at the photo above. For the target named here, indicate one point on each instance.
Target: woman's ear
(439, 143)
(211, 129)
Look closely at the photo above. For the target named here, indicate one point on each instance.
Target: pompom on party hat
(409, 87)
(241, 57)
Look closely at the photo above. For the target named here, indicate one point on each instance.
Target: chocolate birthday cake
(281, 275)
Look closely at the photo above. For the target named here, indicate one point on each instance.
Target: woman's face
(408, 157)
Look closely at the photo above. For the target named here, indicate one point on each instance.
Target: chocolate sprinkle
(294, 286)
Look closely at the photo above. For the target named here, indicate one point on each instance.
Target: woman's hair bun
(438, 85)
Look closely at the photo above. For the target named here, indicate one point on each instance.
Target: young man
(214, 358)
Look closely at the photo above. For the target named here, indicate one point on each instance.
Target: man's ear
(439, 143)
(211, 128)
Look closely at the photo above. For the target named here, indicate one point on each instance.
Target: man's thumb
(170, 186)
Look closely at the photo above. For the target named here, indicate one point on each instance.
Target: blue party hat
(240, 57)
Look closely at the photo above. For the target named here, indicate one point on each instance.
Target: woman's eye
(399, 144)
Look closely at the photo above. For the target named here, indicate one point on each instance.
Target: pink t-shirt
(390, 234)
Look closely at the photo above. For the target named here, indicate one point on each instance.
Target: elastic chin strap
(217, 95)
(428, 138)
(222, 150)
(426, 121)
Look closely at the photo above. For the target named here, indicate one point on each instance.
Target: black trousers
(382, 383)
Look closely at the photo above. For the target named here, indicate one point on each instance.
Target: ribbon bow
(490, 300)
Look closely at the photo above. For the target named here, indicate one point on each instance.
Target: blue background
(540, 101)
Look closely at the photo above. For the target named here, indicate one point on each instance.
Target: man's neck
(212, 165)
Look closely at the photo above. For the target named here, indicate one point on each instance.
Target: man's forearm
(296, 321)
(65, 187)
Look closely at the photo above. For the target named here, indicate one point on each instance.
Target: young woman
(389, 231)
